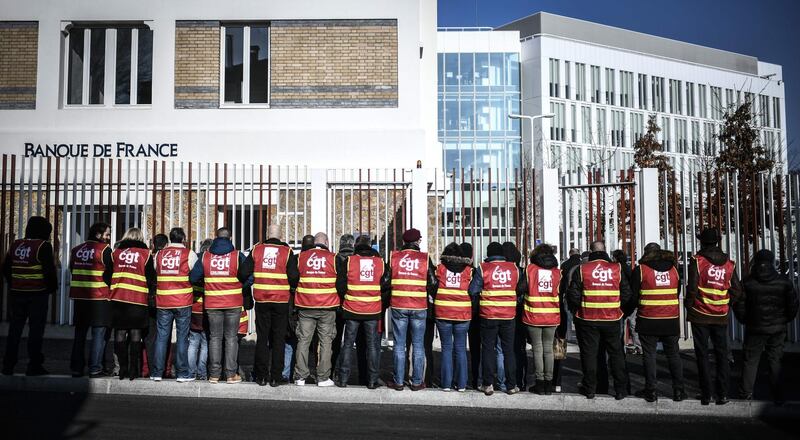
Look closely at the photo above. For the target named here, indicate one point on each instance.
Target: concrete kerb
(384, 396)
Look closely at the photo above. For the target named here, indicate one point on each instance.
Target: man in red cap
(413, 282)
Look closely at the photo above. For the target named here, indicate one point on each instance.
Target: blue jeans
(97, 349)
(288, 358)
(453, 335)
(373, 350)
(197, 355)
(164, 318)
(401, 321)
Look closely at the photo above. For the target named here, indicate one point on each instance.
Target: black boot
(136, 360)
(121, 350)
(548, 387)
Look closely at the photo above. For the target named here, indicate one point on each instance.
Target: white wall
(314, 137)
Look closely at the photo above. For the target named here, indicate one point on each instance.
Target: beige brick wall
(19, 41)
(333, 63)
(197, 50)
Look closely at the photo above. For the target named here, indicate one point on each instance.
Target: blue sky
(765, 29)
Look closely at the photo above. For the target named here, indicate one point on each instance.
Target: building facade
(350, 84)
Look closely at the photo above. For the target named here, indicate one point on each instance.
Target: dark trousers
(30, 307)
(754, 345)
(520, 354)
(490, 330)
(271, 325)
(701, 333)
(590, 338)
(336, 347)
(670, 344)
(474, 339)
(430, 328)
(369, 329)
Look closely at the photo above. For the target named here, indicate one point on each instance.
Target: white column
(648, 219)
(319, 200)
(551, 215)
(419, 200)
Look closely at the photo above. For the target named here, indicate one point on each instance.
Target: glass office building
(478, 87)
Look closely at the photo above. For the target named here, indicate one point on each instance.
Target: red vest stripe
(128, 284)
(600, 301)
(86, 269)
(713, 282)
(317, 286)
(453, 302)
(542, 305)
(244, 322)
(197, 309)
(221, 289)
(364, 275)
(659, 294)
(269, 271)
(499, 295)
(409, 279)
(26, 269)
(173, 289)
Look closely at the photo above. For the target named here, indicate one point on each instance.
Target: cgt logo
(315, 262)
(129, 257)
(270, 260)
(601, 275)
(409, 263)
(716, 273)
(501, 276)
(170, 260)
(366, 270)
(23, 252)
(220, 262)
(452, 279)
(545, 280)
(85, 253)
(662, 278)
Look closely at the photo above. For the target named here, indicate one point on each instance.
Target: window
(681, 136)
(665, 133)
(573, 123)
(716, 103)
(466, 71)
(626, 89)
(617, 128)
(601, 126)
(695, 137)
(595, 83)
(658, 94)
(675, 97)
(130, 61)
(642, 91)
(580, 82)
(558, 126)
(763, 110)
(701, 92)
(776, 110)
(586, 115)
(708, 139)
(690, 99)
(567, 91)
(245, 64)
(554, 77)
(610, 87)
(637, 126)
(729, 99)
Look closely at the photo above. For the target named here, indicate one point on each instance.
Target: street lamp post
(531, 119)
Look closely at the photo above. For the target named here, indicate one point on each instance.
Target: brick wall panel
(19, 42)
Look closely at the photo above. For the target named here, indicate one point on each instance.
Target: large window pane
(75, 67)
(234, 43)
(496, 69)
(451, 114)
(451, 69)
(122, 93)
(482, 69)
(144, 81)
(512, 69)
(467, 115)
(259, 64)
(97, 66)
(466, 71)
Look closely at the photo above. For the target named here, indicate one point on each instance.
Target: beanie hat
(764, 255)
(494, 249)
(709, 236)
(411, 235)
(452, 250)
(466, 249)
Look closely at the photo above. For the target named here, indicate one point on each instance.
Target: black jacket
(341, 283)
(575, 291)
(566, 268)
(716, 256)
(47, 260)
(769, 300)
(661, 261)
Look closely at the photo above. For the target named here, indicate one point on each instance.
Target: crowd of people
(319, 310)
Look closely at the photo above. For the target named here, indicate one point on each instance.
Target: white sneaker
(184, 379)
(325, 383)
(155, 379)
(300, 382)
(447, 389)
(462, 390)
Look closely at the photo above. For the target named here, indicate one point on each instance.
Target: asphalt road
(118, 417)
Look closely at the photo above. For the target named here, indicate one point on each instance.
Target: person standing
(91, 267)
(174, 298)
(458, 286)
(566, 267)
(274, 269)
(474, 331)
(198, 331)
(345, 249)
(317, 301)
(30, 273)
(769, 303)
(363, 283)
(503, 285)
(226, 289)
(711, 287)
(541, 313)
(597, 294)
(656, 288)
(413, 281)
(130, 293)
